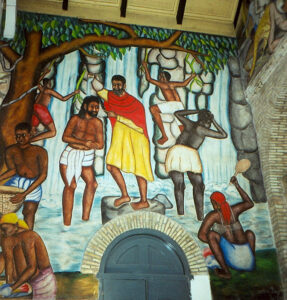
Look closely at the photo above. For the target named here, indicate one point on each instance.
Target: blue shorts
(24, 183)
(237, 256)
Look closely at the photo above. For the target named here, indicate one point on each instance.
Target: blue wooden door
(144, 267)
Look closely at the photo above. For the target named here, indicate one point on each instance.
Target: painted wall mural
(128, 152)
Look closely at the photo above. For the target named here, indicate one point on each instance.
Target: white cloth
(169, 107)
(182, 159)
(75, 159)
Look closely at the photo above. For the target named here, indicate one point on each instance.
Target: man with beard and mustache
(129, 151)
(84, 134)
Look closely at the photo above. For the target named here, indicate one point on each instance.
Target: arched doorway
(144, 264)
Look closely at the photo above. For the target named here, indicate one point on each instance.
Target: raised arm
(247, 202)
(180, 114)
(218, 134)
(148, 77)
(183, 83)
(59, 96)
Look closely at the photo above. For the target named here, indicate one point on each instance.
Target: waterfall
(65, 83)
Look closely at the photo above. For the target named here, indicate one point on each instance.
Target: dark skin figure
(28, 252)
(84, 134)
(28, 161)
(168, 89)
(119, 89)
(44, 98)
(13, 255)
(193, 135)
(207, 235)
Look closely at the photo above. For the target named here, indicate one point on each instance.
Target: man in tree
(84, 134)
(41, 113)
(27, 165)
(27, 251)
(173, 102)
(129, 151)
(221, 229)
(183, 156)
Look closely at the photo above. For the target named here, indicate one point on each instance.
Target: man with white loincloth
(84, 134)
(183, 156)
(27, 166)
(173, 102)
(129, 151)
(221, 229)
(29, 254)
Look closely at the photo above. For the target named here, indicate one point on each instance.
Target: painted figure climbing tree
(40, 39)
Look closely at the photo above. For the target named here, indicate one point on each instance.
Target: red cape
(127, 106)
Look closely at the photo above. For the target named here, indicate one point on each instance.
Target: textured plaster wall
(267, 95)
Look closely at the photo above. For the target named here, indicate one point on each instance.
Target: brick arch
(148, 220)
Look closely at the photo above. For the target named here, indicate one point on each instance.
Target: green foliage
(216, 48)
(56, 30)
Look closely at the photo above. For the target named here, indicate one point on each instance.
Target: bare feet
(162, 140)
(223, 274)
(121, 200)
(139, 205)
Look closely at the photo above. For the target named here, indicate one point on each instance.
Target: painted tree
(41, 38)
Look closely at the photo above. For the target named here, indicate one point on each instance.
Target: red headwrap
(127, 106)
(224, 206)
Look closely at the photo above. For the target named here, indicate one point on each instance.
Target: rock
(164, 200)
(168, 64)
(95, 69)
(207, 89)
(93, 59)
(207, 77)
(239, 115)
(236, 92)
(160, 155)
(233, 65)
(168, 53)
(153, 56)
(109, 211)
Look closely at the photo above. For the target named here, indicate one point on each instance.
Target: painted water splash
(66, 249)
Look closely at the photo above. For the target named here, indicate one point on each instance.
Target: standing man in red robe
(129, 151)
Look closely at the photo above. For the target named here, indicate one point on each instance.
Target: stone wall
(267, 95)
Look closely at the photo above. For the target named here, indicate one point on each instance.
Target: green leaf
(64, 37)
(97, 31)
(45, 40)
(54, 24)
(45, 25)
(113, 55)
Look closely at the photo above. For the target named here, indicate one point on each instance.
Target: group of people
(129, 152)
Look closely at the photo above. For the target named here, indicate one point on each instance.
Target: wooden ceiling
(207, 16)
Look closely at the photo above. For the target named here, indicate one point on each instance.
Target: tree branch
(66, 47)
(9, 53)
(123, 27)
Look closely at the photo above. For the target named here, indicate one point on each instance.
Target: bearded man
(129, 151)
(84, 134)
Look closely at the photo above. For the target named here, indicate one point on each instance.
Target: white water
(218, 156)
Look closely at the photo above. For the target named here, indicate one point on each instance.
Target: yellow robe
(129, 150)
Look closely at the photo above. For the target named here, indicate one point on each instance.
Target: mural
(139, 107)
